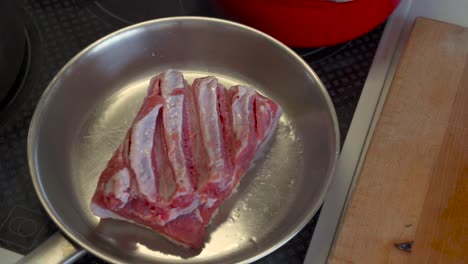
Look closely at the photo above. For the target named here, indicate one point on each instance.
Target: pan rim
(51, 87)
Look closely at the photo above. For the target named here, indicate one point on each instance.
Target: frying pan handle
(57, 249)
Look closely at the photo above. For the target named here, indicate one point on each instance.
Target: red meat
(184, 154)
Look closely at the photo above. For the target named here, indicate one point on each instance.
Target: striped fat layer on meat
(267, 114)
(118, 185)
(173, 91)
(140, 153)
(195, 152)
(206, 98)
(243, 120)
(166, 180)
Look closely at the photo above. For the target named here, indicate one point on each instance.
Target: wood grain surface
(442, 234)
(412, 185)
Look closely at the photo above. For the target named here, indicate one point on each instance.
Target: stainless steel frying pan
(89, 105)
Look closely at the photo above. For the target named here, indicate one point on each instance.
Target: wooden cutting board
(412, 190)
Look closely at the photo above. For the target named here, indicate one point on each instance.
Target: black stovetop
(58, 29)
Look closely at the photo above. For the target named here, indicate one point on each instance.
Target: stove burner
(20, 78)
(317, 54)
(25, 77)
(124, 13)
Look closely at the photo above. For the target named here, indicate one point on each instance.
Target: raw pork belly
(184, 154)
